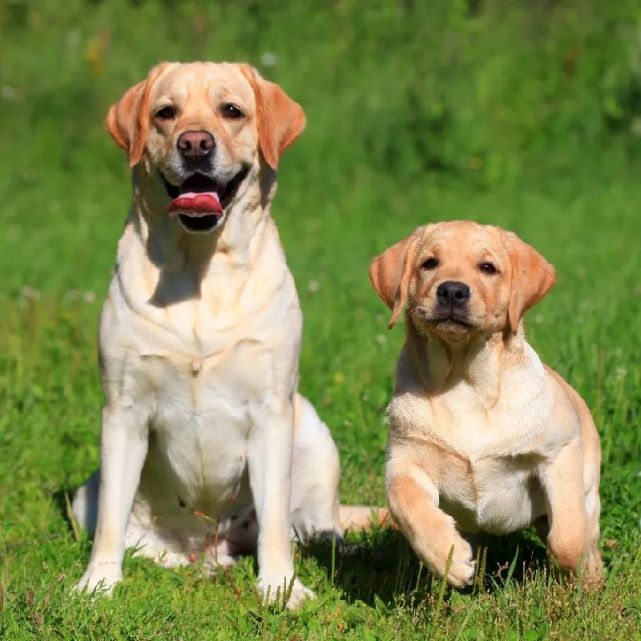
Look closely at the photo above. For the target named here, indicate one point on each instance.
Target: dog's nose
(196, 144)
(452, 292)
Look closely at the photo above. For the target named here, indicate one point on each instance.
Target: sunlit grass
(350, 187)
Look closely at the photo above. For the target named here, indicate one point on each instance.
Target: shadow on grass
(62, 500)
(381, 565)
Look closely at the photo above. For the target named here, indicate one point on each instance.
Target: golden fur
(483, 436)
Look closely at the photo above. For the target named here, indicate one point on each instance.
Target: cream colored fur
(207, 450)
(483, 436)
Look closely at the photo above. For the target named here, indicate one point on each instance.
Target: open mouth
(200, 201)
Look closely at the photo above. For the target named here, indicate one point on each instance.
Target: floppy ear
(128, 119)
(279, 119)
(532, 278)
(390, 275)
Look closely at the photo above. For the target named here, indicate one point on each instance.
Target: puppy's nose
(452, 292)
(196, 144)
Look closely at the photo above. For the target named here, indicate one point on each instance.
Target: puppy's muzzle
(452, 298)
(452, 293)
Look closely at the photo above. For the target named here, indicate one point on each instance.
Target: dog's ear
(279, 119)
(390, 274)
(128, 119)
(532, 278)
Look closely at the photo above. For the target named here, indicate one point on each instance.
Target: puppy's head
(201, 129)
(461, 278)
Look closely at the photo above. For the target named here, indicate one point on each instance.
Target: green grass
(356, 181)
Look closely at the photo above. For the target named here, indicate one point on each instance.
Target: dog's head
(201, 129)
(461, 278)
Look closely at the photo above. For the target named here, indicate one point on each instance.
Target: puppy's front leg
(269, 457)
(123, 449)
(563, 484)
(413, 500)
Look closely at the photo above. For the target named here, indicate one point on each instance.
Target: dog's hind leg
(316, 511)
(141, 535)
(315, 476)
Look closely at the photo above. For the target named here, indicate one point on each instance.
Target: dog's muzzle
(200, 201)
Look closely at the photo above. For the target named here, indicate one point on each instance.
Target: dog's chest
(200, 423)
(498, 495)
(198, 346)
(206, 389)
(483, 461)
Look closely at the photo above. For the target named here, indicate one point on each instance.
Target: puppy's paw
(593, 568)
(461, 573)
(462, 565)
(273, 590)
(100, 579)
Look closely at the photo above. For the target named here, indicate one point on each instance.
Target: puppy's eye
(166, 113)
(430, 263)
(488, 268)
(231, 111)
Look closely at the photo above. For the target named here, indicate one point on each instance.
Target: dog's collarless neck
(440, 366)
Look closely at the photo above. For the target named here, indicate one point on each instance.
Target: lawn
(447, 113)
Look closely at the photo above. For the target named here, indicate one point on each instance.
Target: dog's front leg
(269, 457)
(123, 449)
(413, 500)
(562, 481)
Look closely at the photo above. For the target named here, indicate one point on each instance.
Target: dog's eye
(430, 263)
(231, 111)
(488, 268)
(166, 113)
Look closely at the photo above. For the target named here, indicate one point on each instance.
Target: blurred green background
(522, 114)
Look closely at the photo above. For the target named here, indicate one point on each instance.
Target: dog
(482, 435)
(207, 449)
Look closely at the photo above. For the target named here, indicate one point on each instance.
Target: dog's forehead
(204, 79)
(463, 237)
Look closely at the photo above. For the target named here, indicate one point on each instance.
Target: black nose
(452, 292)
(196, 144)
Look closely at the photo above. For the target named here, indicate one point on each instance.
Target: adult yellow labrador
(207, 449)
(483, 436)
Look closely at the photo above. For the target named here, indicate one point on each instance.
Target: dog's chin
(200, 224)
(450, 328)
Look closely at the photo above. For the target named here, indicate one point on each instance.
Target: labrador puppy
(207, 450)
(483, 435)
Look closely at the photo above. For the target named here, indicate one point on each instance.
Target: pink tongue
(196, 203)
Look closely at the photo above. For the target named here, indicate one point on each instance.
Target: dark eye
(488, 268)
(166, 113)
(231, 111)
(430, 263)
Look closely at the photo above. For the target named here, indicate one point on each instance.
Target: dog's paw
(461, 573)
(273, 590)
(299, 594)
(462, 565)
(100, 579)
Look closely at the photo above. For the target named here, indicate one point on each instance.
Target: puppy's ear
(128, 119)
(390, 274)
(280, 120)
(532, 278)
